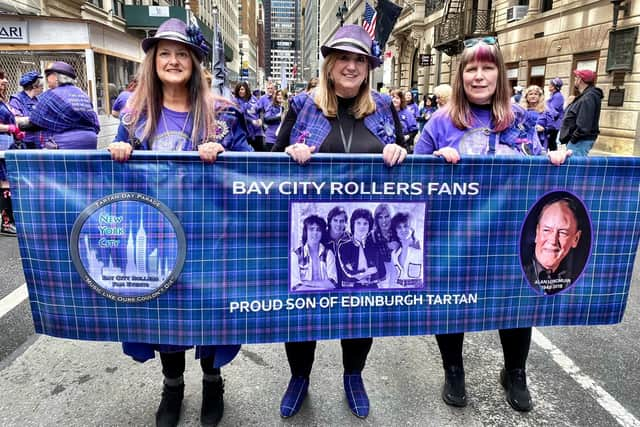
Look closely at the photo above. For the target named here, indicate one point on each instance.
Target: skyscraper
(282, 35)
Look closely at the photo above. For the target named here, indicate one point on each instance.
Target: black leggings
(301, 354)
(515, 346)
(173, 365)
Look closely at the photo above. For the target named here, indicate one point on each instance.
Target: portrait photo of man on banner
(556, 242)
(356, 246)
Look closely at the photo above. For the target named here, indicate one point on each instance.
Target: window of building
(512, 73)
(537, 69)
(546, 5)
(97, 3)
(584, 61)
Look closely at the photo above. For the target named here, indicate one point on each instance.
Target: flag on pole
(369, 21)
(389, 13)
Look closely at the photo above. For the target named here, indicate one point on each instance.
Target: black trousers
(552, 135)
(301, 355)
(173, 365)
(257, 142)
(515, 346)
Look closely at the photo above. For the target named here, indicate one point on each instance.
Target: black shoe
(515, 384)
(212, 403)
(168, 412)
(453, 391)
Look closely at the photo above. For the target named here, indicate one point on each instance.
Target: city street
(578, 376)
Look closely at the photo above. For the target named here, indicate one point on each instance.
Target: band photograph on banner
(356, 246)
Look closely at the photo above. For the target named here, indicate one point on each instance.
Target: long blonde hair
(459, 106)
(327, 100)
(146, 102)
(525, 104)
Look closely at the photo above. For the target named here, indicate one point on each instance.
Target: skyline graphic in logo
(128, 247)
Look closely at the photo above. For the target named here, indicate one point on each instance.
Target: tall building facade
(282, 28)
(249, 41)
(310, 39)
(540, 40)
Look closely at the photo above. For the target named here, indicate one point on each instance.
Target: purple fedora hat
(176, 30)
(354, 39)
(60, 67)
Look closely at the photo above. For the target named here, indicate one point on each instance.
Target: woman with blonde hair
(173, 109)
(442, 94)
(533, 102)
(341, 115)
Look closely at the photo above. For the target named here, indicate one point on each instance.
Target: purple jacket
(553, 113)
(251, 112)
(439, 132)
(408, 121)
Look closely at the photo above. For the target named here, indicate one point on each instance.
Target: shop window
(537, 70)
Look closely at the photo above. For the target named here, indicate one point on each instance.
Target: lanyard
(346, 143)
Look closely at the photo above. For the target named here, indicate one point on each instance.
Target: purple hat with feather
(176, 30)
(353, 39)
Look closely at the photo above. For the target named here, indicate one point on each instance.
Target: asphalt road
(578, 376)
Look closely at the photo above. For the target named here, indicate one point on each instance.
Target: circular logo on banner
(128, 247)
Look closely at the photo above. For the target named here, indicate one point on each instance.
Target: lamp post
(241, 53)
(342, 12)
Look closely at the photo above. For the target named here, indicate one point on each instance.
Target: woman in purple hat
(341, 115)
(551, 119)
(480, 119)
(23, 103)
(64, 115)
(173, 109)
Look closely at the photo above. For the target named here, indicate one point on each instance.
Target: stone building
(540, 39)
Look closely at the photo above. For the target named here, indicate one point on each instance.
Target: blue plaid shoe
(294, 396)
(356, 395)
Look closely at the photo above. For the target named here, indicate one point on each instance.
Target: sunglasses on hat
(490, 40)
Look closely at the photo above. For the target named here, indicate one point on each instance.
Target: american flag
(369, 21)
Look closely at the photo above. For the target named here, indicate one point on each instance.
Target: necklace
(346, 143)
(485, 128)
(184, 125)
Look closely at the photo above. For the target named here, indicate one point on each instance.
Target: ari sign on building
(14, 32)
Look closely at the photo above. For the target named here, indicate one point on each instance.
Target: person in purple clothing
(23, 103)
(411, 104)
(532, 102)
(121, 100)
(64, 116)
(9, 134)
(341, 115)
(248, 106)
(550, 120)
(173, 110)
(481, 120)
(407, 117)
(273, 115)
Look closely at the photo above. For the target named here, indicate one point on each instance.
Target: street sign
(426, 59)
(244, 72)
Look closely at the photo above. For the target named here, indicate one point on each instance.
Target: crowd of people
(169, 106)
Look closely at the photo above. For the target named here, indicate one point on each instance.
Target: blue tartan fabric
(316, 126)
(356, 395)
(63, 109)
(473, 278)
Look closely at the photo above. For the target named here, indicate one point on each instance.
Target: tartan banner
(167, 249)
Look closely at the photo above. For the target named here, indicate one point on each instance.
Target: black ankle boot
(168, 413)
(212, 403)
(515, 384)
(454, 392)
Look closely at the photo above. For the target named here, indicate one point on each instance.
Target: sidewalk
(76, 383)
